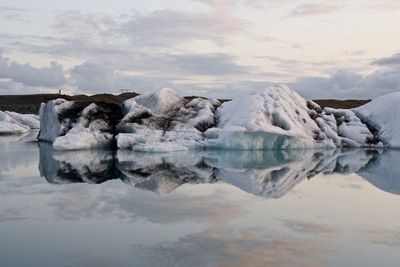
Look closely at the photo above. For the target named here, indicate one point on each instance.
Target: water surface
(215, 208)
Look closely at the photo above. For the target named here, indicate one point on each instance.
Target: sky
(321, 49)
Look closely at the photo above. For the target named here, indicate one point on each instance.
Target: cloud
(96, 77)
(246, 3)
(146, 72)
(164, 27)
(11, 13)
(383, 5)
(348, 84)
(26, 74)
(208, 64)
(392, 60)
(314, 10)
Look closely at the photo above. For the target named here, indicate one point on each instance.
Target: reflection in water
(211, 224)
(269, 174)
(77, 166)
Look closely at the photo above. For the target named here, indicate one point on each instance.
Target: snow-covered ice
(275, 118)
(72, 125)
(15, 123)
(164, 121)
(383, 115)
(279, 118)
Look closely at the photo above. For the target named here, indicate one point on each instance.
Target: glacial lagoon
(199, 208)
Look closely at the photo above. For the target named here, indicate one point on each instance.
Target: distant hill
(31, 103)
(346, 104)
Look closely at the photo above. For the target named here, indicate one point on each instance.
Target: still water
(215, 208)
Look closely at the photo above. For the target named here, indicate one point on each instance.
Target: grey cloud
(167, 27)
(157, 70)
(26, 74)
(158, 28)
(208, 64)
(96, 77)
(392, 60)
(347, 84)
(11, 13)
(176, 65)
(86, 35)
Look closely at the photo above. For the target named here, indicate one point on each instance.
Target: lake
(199, 208)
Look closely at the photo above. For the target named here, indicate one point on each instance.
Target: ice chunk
(15, 123)
(382, 115)
(29, 120)
(343, 127)
(158, 103)
(56, 117)
(7, 128)
(72, 125)
(164, 121)
(276, 118)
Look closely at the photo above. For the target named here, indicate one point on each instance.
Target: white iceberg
(279, 118)
(71, 125)
(383, 115)
(274, 119)
(15, 123)
(164, 121)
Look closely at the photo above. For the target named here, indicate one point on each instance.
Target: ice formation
(15, 123)
(164, 121)
(73, 125)
(275, 118)
(383, 115)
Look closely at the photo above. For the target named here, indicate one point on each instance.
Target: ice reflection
(77, 166)
(270, 174)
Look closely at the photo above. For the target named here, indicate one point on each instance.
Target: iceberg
(276, 118)
(15, 123)
(72, 125)
(382, 115)
(164, 121)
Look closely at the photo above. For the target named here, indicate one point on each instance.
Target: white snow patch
(383, 114)
(82, 138)
(81, 132)
(163, 121)
(276, 118)
(15, 123)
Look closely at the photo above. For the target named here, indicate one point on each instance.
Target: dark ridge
(344, 104)
(31, 103)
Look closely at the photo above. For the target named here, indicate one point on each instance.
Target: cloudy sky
(322, 49)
